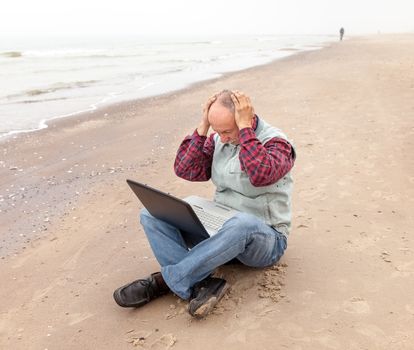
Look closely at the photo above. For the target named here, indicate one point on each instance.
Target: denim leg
(256, 256)
(165, 240)
(244, 236)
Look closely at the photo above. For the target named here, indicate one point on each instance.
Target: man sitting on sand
(249, 161)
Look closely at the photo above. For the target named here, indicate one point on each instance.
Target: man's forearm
(202, 129)
(264, 164)
(194, 158)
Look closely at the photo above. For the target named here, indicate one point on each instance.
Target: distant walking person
(341, 33)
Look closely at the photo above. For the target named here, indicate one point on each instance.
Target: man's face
(222, 121)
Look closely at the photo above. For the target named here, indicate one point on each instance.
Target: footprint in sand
(344, 194)
(307, 294)
(71, 263)
(314, 194)
(294, 331)
(308, 169)
(41, 294)
(243, 328)
(404, 270)
(385, 256)
(342, 183)
(328, 341)
(167, 341)
(144, 339)
(356, 305)
(410, 308)
(376, 194)
(174, 311)
(359, 244)
(375, 334)
(78, 318)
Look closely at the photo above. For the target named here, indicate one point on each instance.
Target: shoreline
(71, 232)
(44, 123)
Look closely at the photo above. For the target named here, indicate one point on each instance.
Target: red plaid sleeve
(194, 157)
(264, 164)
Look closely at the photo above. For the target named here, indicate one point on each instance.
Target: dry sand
(70, 232)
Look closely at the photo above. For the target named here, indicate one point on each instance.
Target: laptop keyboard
(210, 220)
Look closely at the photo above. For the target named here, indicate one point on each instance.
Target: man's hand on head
(243, 110)
(204, 124)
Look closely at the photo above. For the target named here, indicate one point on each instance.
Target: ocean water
(42, 79)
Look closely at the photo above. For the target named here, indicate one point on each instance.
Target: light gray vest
(233, 188)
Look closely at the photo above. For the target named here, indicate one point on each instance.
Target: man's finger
(239, 93)
(235, 99)
(243, 100)
(214, 96)
(210, 101)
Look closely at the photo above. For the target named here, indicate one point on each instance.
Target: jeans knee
(245, 221)
(280, 248)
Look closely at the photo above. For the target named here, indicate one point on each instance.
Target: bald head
(221, 117)
(224, 98)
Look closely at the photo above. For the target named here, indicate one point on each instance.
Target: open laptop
(197, 218)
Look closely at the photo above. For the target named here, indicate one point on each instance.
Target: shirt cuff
(195, 134)
(246, 134)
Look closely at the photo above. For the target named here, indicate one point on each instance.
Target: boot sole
(209, 305)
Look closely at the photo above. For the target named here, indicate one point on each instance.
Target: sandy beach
(70, 233)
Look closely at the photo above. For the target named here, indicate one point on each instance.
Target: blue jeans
(244, 237)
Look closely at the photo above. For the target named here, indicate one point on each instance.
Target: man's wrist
(244, 125)
(246, 135)
(202, 130)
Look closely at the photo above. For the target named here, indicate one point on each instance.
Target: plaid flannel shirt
(263, 164)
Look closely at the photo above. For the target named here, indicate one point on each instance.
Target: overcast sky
(211, 17)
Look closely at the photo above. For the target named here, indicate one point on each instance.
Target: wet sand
(70, 233)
